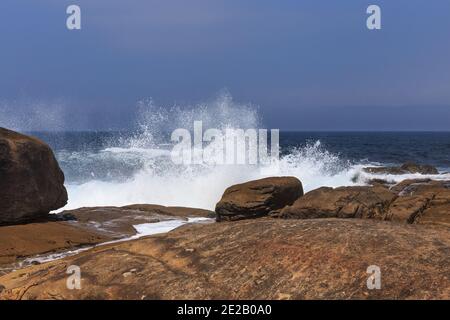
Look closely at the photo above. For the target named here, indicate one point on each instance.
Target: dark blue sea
(117, 168)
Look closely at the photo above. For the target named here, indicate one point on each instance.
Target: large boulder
(343, 202)
(31, 182)
(258, 198)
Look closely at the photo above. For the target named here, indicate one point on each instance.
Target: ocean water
(135, 166)
(117, 168)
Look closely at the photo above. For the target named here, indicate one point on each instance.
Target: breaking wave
(137, 167)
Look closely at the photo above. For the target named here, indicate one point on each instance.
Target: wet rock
(384, 170)
(405, 168)
(119, 221)
(258, 198)
(31, 183)
(82, 227)
(380, 182)
(18, 242)
(417, 168)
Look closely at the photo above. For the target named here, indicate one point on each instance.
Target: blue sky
(308, 65)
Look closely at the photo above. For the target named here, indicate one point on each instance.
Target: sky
(307, 65)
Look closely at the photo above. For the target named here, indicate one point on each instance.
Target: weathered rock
(258, 198)
(343, 202)
(418, 168)
(82, 227)
(254, 259)
(31, 182)
(18, 242)
(119, 221)
(405, 168)
(416, 186)
(171, 211)
(379, 182)
(437, 211)
(422, 201)
(384, 170)
(407, 209)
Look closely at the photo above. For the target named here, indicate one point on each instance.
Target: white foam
(154, 178)
(139, 151)
(147, 229)
(395, 178)
(201, 186)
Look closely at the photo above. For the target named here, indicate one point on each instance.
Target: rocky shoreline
(24, 244)
(272, 240)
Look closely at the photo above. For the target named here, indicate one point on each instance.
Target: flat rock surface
(82, 227)
(21, 241)
(254, 259)
(119, 221)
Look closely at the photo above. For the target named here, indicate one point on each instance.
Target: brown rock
(82, 227)
(254, 259)
(343, 202)
(258, 198)
(405, 168)
(119, 221)
(407, 209)
(437, 209)
(18, 242)
(419, 186)
(417, 168)
(422, 201)
(408, 186)
(437, 212)
(31, 183)
(171, 211)
(384, 170)
(380, 182)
